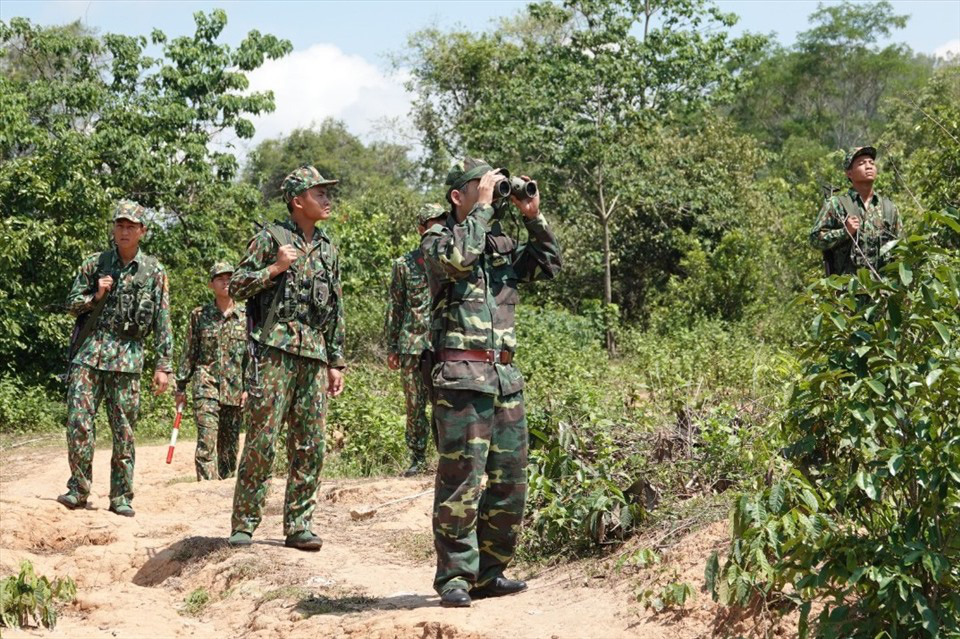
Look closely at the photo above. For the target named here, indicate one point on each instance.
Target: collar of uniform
(214, 310)
(318, 232)
(855, 196)
(119, 262)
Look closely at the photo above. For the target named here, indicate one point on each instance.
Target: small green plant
(639, 558)
(28, 597)
(196, 602)
(672, 595)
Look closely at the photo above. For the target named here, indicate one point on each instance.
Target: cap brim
(127, 217)
(218, 273)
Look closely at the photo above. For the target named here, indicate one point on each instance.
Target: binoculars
(518, 187)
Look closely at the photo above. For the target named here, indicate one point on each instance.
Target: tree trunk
(607, 284)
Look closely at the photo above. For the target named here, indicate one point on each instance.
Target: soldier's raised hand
(393, 361)
(852, 223)
(104, 284)
(286, 255)
(529, 207)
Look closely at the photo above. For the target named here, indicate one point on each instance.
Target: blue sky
(349, 42)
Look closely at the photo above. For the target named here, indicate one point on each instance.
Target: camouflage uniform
(109, 362)
(473, 270)
(289, 378)
(879, 224)
(407, 334)
(215, 356)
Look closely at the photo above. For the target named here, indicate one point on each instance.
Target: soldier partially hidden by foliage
(866, 525)
(28, 597)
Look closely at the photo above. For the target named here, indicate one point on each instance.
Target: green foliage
(873, 427)
(672, 595)
(370, 416)
(334, 151)
(196, 602)
(27, 598)
(829, 87)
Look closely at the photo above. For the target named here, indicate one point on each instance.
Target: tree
(87, 120)
(569, 93)
(830, 85)
(335, 152)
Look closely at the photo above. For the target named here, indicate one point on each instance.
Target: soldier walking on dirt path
(407, 336)
(119, 297)
(473, 270)
(852, 227)
(291, 275)
(215, 358)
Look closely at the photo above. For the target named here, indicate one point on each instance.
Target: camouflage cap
(465, 170)
(219, 268)
(129, 210)
(429, 212)
(856, 152)
(301, 180)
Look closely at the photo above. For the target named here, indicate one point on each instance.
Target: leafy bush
(28, 597)
(874, 427)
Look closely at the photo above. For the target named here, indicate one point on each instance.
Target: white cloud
(948, 49)
(322, 82)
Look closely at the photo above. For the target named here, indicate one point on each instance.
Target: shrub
(28, 597)
(873, 428)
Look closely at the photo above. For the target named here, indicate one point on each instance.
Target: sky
(351, 44)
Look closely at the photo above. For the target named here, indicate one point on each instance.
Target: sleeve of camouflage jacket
(334, 333)
(252, 275)
(188, 358)
(395, 306)
(163, 340)
(80, 298)
(540, 258)
(453, 254)
(828, 230)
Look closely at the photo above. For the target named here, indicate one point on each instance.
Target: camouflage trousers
(218, 433)
(475, 529)
(415, 393)
(293, 392)
(86, 388)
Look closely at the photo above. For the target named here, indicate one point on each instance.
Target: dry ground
(372, 578)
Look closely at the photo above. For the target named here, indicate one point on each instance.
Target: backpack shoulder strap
(889, 211)
(847, 204)
(281, 234)
(147, 267)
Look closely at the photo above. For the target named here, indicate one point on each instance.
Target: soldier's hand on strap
(852, 223)
(243, 398)
(393, 361)
(104, 284)
(335, 381)
(160, 381)
(528, 207)
(286, 255)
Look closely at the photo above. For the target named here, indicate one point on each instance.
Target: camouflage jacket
(215, 354)
(408, 314)
(879, 223)
(136, 304)
(309, 288)
(474, 270)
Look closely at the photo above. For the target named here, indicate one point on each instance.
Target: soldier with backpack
(119, 297)
(852, 227)
(291, 277)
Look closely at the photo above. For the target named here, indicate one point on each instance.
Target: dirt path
(372, 578)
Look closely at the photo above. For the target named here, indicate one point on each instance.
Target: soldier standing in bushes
(292, 273)
(473, 270)
(852, 227)
(407, 336)
(214, 356)
(119, 297)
